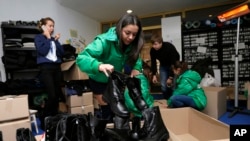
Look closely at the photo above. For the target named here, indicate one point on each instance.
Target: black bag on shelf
(67, 127)
(24, 134)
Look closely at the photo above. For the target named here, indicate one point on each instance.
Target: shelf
(20, 48)
(19, 26)
(25, 70)
(19, 59)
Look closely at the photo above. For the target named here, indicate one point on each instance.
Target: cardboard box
(74, 101)
(72, 72)
(9, 128)
(162, 103)
(188, 124)
(13, 107)
(231, 94)
(77, 101)
(216, 101)
(82, 109)
(87, 98)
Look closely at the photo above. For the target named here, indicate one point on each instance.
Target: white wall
(34, 10)
(171, 32)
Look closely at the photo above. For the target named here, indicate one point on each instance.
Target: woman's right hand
(106, 69)
(47, 34)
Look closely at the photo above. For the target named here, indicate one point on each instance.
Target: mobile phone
(44, 27)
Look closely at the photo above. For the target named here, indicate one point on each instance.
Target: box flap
(67, 65)
(214, 88)
(189, 124)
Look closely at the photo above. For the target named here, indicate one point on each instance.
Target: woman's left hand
(57, 36)
(134, 73)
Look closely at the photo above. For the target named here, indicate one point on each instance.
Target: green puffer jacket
(145, 94)
(104, 50)
(188, 84)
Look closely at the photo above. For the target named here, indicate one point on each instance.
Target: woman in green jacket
(187, 92)
(111, 51)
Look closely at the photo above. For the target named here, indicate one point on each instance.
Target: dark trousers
(51, 76)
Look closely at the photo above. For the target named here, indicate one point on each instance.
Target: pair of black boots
(153, 128)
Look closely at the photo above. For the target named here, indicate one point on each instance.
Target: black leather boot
(134, 87)
(136, 125)
(121, 129)
(97, 128)
(114, 94)
(153, 128)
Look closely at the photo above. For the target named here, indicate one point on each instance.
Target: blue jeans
(164, 73)
(182, 101)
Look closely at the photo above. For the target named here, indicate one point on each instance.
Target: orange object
(237, 11)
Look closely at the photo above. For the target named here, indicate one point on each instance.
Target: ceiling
(111, 10)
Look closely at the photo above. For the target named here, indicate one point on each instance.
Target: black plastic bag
(67, 127)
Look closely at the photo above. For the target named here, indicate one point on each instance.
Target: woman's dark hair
(137, 44)
(180, 64)
(43, 21)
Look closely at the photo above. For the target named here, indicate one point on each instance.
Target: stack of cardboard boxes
(14, 114)
(80, 104)
(77, 104)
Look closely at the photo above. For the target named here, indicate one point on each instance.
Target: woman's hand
(154, 80)
(57, 36)
(46, 33)
(134, 73)
(106, 69)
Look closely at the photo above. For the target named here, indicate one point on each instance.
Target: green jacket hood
(191, 75)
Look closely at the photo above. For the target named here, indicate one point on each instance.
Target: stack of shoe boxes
(14, 114)
(80, 104)
(77, 104)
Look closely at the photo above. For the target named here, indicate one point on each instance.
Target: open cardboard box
(72, 72)
(187, 124)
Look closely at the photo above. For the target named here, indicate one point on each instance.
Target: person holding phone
(49, 59)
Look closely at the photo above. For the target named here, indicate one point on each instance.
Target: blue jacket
(43, 47)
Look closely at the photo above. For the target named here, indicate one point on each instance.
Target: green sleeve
(145, 94)
(87, 61)
(138, 65)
